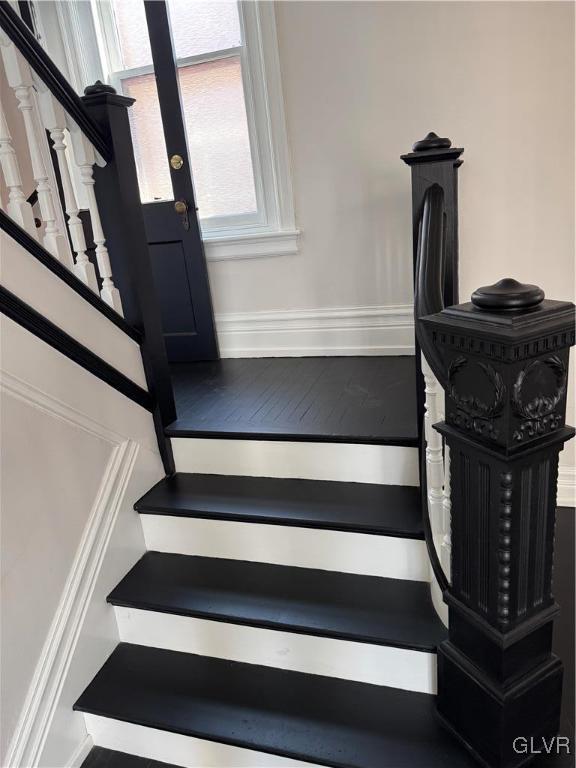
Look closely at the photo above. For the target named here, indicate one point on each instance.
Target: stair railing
(434, 199)
(501, 360)
(79, 151)
(54, 119)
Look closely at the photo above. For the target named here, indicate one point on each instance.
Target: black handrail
(430, 273)
(428, 299)
(54, 80)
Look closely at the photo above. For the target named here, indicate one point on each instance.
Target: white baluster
(446, 546)
(85, 157)
(434, 396)
(436, 481)
(54, 119)
(17, 206)
(19, 78)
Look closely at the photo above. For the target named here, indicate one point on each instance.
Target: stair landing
(321, 399)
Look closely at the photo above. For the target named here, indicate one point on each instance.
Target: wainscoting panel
(75, 455)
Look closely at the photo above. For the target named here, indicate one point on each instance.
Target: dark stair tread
(99, 757)
(390, 510)
(367, 609)
(306, 717)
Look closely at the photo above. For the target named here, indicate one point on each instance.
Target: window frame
(272, 231)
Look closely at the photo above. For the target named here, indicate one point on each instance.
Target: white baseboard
(373, 330)
(566, 487)
(360, 553)
(345, 462)
(402, 668)
(81, 753)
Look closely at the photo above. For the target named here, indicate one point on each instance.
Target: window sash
(112, 58)
(266, 121)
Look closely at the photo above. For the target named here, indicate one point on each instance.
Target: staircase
(276, 620)
(286, 610)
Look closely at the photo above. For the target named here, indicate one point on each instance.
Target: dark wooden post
(435, 161)
(506, 359)
(120, 208)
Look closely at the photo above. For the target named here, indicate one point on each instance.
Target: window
(231, 97)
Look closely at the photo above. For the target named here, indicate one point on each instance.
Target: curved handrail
(48, 72)
(429, 299)
(430, 273)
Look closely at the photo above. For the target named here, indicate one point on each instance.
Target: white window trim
(277, 235)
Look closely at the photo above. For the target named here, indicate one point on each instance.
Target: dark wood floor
(333, 399)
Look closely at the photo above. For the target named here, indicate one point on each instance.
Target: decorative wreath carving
(539, 414)
(475, 414)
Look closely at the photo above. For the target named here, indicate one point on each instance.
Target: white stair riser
(344, 462)
(185, 751)
(363, 662)
(360, 553)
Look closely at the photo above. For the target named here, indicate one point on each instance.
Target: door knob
(181, 208)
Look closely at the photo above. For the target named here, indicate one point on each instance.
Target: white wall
(75, 455)
(362, 82)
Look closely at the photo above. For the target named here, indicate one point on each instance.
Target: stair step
(364, 609)
(305, 717)
(389, 510)
(99, 757)
(335, 462)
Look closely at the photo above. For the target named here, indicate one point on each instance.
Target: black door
(172, 227)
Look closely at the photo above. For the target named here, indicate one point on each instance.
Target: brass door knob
(176, 161)
(181, 207)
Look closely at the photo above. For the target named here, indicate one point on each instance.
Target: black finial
(507, 294)
(431, 141)
(98, 87)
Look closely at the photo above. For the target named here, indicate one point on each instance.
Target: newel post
(434, 160)
(118, 197)
(506, 358)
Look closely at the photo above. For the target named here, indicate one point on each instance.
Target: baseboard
(371, 330)
(566, 487)
(80, 753)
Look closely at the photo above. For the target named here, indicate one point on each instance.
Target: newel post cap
(433, 148)
(507, 294)
(431, 141)
(98, 87)
(103, 94)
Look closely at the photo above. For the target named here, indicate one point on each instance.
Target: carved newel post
(506, 361)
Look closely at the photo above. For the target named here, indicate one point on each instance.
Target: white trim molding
(81, 753)
(251, 246)
(36, 716)
(34, 723)
(369, 330)
(566, 487)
